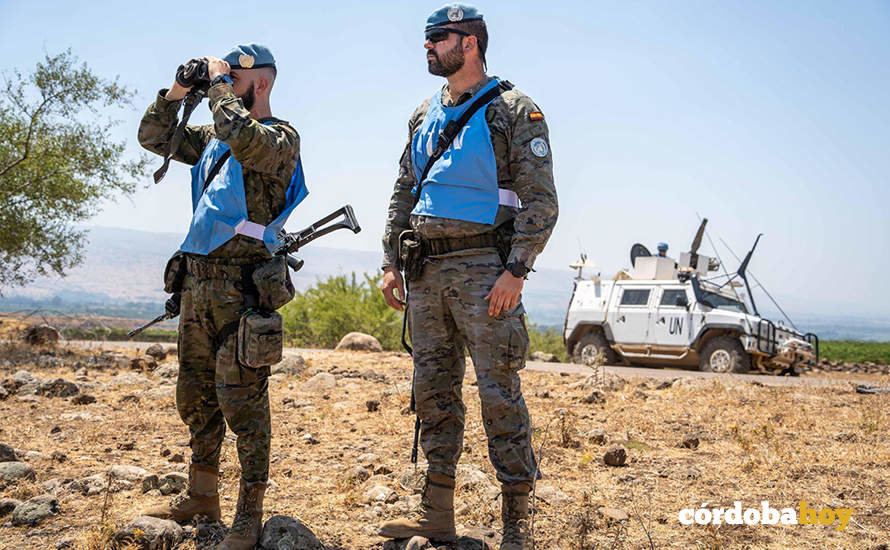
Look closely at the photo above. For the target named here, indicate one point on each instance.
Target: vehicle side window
(635, 297)
(673, 297)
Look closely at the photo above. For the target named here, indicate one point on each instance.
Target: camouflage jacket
(529, 176)
(267, 152)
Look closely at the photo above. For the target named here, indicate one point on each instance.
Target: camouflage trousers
(447, 313)
(213, 388)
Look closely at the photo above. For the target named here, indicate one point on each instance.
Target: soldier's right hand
(176, 92)
(392, 280)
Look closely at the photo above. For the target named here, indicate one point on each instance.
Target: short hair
(477, 28)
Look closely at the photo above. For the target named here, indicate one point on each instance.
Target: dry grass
(827, 446)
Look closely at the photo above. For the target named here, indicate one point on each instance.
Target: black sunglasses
(438, 34)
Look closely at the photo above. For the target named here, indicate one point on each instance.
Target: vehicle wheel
(589, 346)
(724, 354)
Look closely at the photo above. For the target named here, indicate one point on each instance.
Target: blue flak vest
(220, 212)
(463, 183)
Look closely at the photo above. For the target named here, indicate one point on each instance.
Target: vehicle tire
(589, 346)
(724, 354)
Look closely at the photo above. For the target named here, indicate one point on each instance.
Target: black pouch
(174, 273)
(260, 339)
(273, 284)
(410, 255)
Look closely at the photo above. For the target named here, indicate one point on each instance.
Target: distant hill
(122, 271)
(122, 275)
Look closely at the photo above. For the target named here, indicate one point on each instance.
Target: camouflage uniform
(447, 309)
(213, 387)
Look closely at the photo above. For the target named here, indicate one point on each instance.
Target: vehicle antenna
(765, 291)
(723, 265)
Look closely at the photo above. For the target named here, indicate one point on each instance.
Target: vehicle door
(629, 319)
(671, 322)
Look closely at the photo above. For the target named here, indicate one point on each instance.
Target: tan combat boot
(435, 517)
(514, 514)
(201, 498)
(248, 523)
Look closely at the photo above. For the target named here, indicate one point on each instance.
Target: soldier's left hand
(504, 294)
(216, 67)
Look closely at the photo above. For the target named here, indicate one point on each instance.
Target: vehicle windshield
(722, 302)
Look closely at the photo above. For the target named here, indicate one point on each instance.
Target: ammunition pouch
(174, 273)
(273, 283)
(414, 250)
(260, 339)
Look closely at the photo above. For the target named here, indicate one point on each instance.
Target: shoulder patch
(537, 115)
(539, 147)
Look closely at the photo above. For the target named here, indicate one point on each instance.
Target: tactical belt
(437, 247)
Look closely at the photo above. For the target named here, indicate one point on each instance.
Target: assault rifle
(291, 242)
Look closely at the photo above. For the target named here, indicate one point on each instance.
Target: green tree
(57, 162)
(324, 313)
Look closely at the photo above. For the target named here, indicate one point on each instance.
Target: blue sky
(767, 117)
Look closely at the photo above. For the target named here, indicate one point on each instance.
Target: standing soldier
(466, 228)
(246, 180)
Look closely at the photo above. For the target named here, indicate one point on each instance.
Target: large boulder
(34, 511)
(291, 365)
(148, 533)
(41, 335)
(359, 341)
(285, 533)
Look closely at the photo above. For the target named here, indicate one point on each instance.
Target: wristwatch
(221, 78)
(518, 269)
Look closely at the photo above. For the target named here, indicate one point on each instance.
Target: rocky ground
(87, 440)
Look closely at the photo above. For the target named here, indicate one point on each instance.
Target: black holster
(411, 255)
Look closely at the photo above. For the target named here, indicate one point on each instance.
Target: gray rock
(595, 397)
(613, 514)
(543, 356)
(22, 378)
(97, 484)
(597, 436)
(615, 456)
(58, 388)
(4, 394)
(552, 495)
(33, 511)
(358, 473)
(285, 533)
(83, 399)
(7, 453)
(129, 473)
(42, 335)
(149, 483)
(167, 370)
(12, 472)
(7, 505)
(130, 379)
(157, 351)
(146, 363)
(50, 362)
(379, 493)
(320, 382)
(148, 533)
(173, 482)
(359, 341)
(690, 442)
(291, 365)
(67, 542)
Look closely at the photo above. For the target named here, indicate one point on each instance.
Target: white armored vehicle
(675, 313)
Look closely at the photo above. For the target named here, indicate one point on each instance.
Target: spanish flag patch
(537, 115)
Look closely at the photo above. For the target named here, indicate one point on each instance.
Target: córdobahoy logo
(766, 515)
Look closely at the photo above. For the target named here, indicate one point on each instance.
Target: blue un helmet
(663, 247)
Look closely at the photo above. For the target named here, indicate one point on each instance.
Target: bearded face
(448, 63)
(248, 97)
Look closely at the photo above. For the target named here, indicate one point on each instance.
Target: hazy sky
(767, 117)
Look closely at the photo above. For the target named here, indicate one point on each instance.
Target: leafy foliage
(57, 162)
(856, 352)
(548, 340)
(324, 313)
